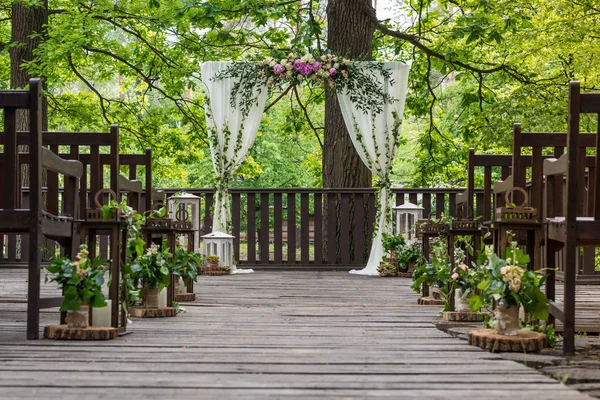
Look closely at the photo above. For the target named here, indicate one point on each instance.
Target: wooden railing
(289, 228)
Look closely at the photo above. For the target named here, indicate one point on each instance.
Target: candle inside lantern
(162, 298)
(101, 316)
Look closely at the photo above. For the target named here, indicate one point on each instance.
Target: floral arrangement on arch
(359, 78)
(292, 69)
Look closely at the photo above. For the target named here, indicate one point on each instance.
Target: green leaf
(71, 300)
(97, 300)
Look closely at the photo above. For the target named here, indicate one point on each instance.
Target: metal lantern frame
(219, 244)
(177, 212)
(405, 225)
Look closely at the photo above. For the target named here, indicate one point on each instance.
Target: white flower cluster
(153, 249)
(182, 241)
(82, 257)
(512, 275)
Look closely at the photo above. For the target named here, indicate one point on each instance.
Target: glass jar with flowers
(462, 280)
(153, 271)
(81, 282)
(436, 272)
(508, 284)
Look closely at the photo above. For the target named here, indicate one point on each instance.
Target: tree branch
(308, 117)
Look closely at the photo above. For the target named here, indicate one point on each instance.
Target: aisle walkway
(268, 335)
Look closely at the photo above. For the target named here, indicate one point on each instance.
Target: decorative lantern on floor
(186, 206)
(407, 215)
(219, 244)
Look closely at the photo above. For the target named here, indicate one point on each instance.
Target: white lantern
(191, 204)
(406, 216)
(219, 244)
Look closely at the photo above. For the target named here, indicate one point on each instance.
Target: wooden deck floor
(268, 335)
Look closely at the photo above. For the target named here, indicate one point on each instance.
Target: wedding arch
(371, 97)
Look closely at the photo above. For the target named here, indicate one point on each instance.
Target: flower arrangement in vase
(436, 272)
(508, 284)
(153, 270)
(81, 282)
(185, 265)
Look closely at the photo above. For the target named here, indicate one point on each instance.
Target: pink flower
(279, 69)
(463, 266)
(306, 69)
(454, 276)
(332, 72)
(297, 65)
(316, 66)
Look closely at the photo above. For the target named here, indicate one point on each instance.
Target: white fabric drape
(231, 134)
(375, 141)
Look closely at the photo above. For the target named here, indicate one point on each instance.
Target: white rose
(336, 66)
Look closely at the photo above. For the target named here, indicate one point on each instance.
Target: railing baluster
(251, 228)
(235, 224)
(426, 204)
(318, 229)
(345, 229)
(359, 228)
(291, 228)
(277, 228)
(264, 228)
(332, 243)
(304, 229)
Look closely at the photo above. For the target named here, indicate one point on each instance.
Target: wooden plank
(325, 336)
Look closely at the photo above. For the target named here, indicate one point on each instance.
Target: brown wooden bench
(569, 225)
(35, 221)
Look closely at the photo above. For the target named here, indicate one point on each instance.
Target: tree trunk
(26, 22)
(349, 33)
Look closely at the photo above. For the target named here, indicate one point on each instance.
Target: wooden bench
(569, 225)
(35, 221)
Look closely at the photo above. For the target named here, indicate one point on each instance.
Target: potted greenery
(408, 256)
(392, 245)
(386, 269)
(435, 273)
(154, 271)
(81, 282)
(508, 284)
(185, 266)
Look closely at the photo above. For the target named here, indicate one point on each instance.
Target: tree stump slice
(524, 341)
(463, 316)
(63, 332)
(185, 297)
(430, 301)
(405, 275)
(161, 312)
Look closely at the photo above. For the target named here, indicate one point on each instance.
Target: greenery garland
(357, 78)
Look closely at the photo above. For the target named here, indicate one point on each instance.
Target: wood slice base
(162, 312)
(446, 325)
(524, 341)
(430, 301)
(185, 297)
(463, 316)
(405, 274)
(63, 332)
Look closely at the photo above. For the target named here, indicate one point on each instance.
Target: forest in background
(477, 67)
